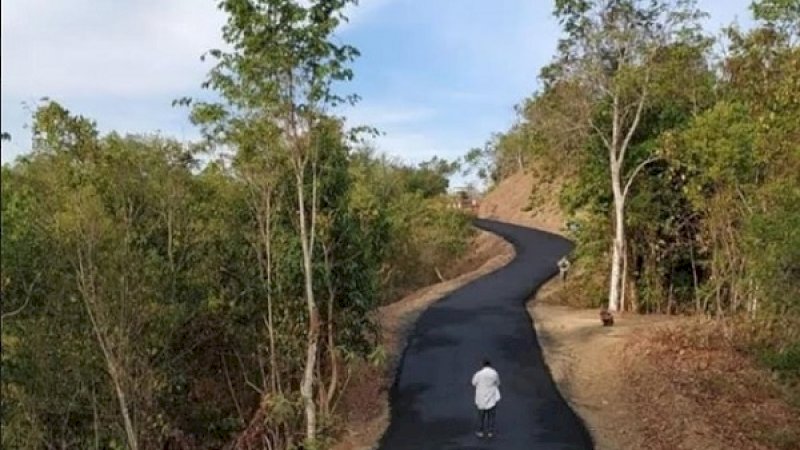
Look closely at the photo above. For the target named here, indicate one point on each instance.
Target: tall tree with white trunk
(611, 50)
(280, 70)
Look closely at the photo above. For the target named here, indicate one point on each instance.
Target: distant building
(464, 198)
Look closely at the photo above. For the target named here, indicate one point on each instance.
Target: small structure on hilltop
(464, 198)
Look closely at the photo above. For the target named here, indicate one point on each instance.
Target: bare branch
(28, 294)
(744, 200)
(635, 124)
(314, 204)
(636, 172)
(602, 136)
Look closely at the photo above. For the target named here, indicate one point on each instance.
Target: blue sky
(436, 76)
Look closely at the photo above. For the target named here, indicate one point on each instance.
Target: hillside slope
(708, 394)
(525, 198)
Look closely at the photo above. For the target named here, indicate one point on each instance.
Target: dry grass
(692, 389)
(662, 383)
(583, 358)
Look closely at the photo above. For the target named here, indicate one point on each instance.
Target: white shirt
(487, 388)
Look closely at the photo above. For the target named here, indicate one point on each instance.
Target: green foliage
(786, 360)
(773, 244)
(481, 161)
(712, 217)
(430, 178)
(783, 14)
(171, 251)
(284, 64)
(420, 234)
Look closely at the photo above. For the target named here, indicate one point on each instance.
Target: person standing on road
(563, 267)
(487, 393)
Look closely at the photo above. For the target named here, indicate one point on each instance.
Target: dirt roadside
(655, 382)
(583, 358)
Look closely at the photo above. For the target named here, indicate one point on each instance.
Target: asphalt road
(432, 398)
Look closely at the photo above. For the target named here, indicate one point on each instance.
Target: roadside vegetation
(161, 294)
(677, 157)
(706, 144)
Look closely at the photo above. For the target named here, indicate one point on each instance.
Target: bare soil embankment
(525, 199)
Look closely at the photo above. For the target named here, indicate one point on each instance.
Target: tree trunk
(273, 363)
(695, 282)
(306, 242)
(87, 288)
(123, 406)
(624, 280)
(617, 148)
(332, 352)
(113, 371)
(619, 240)
(753, 306)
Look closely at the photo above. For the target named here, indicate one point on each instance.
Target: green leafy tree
(611, 50)
(282, 71)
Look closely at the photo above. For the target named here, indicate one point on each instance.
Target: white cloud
(405, 130)
(77, 48)
(361, 12)
(441, 75)
(418, 146)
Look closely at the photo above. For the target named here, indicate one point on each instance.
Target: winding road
(432, 398)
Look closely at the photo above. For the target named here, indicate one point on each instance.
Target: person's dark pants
(486, 419)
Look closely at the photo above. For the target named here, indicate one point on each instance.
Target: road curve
(432, 399)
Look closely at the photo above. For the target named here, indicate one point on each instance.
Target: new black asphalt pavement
(432, 399)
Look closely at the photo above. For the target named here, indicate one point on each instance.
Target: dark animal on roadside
(606, 317)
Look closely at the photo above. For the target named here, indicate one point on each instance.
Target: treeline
(156, 295)
(132, 268)
(680, 161)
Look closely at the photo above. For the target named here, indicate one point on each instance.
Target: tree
(611, 50)
(430, 178)
(740, 165)
(281, 73)
(137, 284)
(483, 161)
(783, 15)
